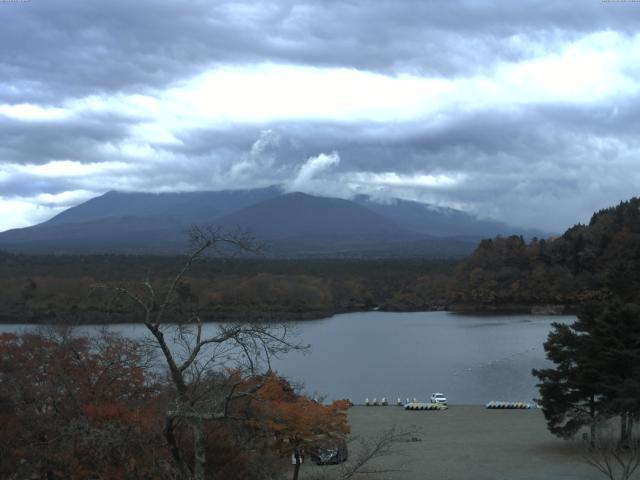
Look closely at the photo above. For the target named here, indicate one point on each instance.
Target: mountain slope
(293, 224)
(301, 215)
(303, 225)
(590, 262)
(110, 234)
(441, 222)
(184, 207)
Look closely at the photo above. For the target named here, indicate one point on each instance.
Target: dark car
(330, 452)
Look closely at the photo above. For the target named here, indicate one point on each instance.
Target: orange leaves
(79, 406)
(296, 420)
(143, 419)
(109, 412)
(277, 389)
(341, 405)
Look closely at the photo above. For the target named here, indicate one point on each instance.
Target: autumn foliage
(297, 422)
(79, 408)
(74, 407)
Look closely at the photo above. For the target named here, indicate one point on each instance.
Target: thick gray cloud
(41, 142)
(52, 50)
(97, 96)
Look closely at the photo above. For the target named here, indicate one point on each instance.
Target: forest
(505, 274)
(587, 263)
(60, 289)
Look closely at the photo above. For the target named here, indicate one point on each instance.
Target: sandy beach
(469, 443)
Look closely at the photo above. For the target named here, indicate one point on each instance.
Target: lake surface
(471, 359)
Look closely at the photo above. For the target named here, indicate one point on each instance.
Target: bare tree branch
(368, 450)
(611, 458)
(191, 354)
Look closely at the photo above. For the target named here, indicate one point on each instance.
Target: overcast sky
(523, 111)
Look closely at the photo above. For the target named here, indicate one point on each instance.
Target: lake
(471, 359)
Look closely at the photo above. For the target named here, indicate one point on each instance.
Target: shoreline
(290, 317)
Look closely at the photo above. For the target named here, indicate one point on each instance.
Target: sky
(526, 112)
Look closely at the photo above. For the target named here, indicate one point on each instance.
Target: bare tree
(614, 459)
(368, 451)
(193, 351)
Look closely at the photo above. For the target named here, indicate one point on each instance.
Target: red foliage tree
(75, 408)
(297, 423)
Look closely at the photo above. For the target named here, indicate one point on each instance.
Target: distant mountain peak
(295, 223)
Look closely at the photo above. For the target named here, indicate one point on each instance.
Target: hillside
(299, 215)
(181, 207)
(587, 262)
(292, 224)
(441, 222)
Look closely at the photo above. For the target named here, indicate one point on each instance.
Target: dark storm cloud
(56, 50)
(495, 139)
(79, 139)
(513, 159)
(23, 185)
(518, 165)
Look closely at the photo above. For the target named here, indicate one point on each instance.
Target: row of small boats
(508, 405)
(425, 406)
(416, 405)
(384, 402)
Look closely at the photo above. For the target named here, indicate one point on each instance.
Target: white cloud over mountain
(502, 110)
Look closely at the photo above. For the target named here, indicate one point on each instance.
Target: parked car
(438, 398)
(332, 451)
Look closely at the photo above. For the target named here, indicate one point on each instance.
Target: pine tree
(597, 370)
(570, 392)
(616, 329)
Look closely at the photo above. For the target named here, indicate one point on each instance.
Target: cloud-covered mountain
(503, 109)
(291, 224)
(301, 215)
(184, 207)
(440, 221)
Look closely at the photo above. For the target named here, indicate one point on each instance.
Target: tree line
(59, 289)
(583, 265)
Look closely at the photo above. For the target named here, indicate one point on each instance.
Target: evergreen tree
(597, 370)
(570, 392)
(616, 329)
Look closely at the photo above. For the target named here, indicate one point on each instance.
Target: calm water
(471, 359)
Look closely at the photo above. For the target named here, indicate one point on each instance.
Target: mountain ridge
(294, 224)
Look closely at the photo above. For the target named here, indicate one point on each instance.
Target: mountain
(130, 222)
(187, 208)
(299, 215)
(109, 234)
(305, 225)
(292, 224)
(439, 221)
